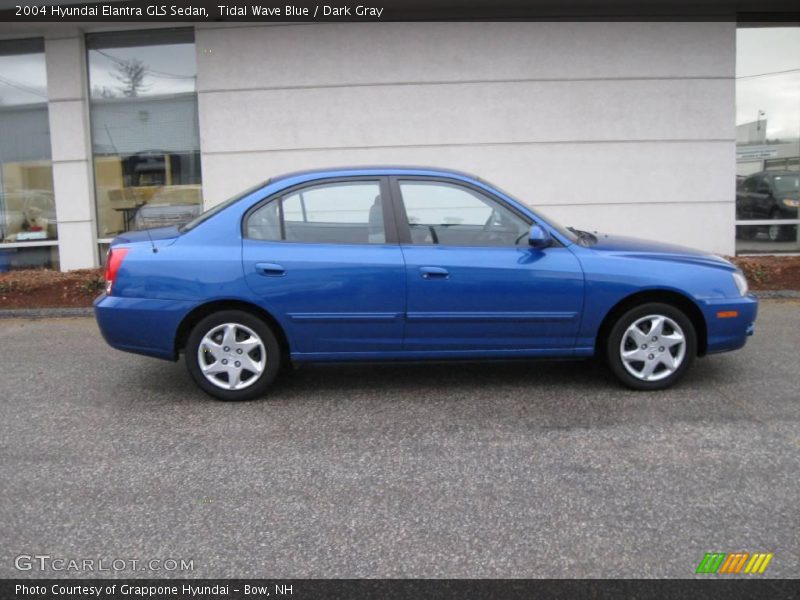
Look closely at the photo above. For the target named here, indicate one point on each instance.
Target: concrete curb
(45, 313)
(776, 293)
(55, 313)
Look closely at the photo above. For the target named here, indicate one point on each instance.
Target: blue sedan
(386, 263)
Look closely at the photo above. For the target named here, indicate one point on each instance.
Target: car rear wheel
(779, 233)
(651, 346)
(233, 355)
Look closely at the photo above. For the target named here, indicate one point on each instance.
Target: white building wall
(73, 180)
(620, 127)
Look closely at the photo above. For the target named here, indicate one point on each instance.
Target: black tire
(273, 358)
(779, 233)
(614, 341)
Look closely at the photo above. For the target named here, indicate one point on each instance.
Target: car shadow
(562, 394)
(403, 379)
(447, 377)
(577, 376)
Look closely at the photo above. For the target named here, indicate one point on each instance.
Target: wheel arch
(202, 311)
(673, 298)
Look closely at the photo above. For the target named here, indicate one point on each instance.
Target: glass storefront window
(145, 140)
(767, 140)
(27, 204)
(28, 256)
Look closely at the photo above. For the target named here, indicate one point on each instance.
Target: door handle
(434, 273)
(270, 269)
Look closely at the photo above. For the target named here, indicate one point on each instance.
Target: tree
(103, 92)
(131, 73)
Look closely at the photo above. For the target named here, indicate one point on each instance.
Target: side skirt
(583, 352)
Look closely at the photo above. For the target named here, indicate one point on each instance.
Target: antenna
(152, 243)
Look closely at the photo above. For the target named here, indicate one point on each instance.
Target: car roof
(781, 173)
(373, 170)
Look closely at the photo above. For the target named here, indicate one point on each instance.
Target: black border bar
(407, 589)
(406, 10)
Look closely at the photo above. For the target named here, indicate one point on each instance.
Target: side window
(749, 184)
(265, 222)
(449, 214)
(349, 212)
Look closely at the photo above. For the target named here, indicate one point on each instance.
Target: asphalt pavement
(521, 469)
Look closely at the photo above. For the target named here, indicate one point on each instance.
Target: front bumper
(787, 212)
(141, 325)
(729, 322)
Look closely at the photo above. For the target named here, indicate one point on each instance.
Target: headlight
(741, 282)
(791, 203)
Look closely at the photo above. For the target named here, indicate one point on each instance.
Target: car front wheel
(651, 346)
(233, 355)
(779, 233)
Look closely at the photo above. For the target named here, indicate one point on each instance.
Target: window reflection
(145, 136)
(27, 204)
(767, 139)
(27, 180)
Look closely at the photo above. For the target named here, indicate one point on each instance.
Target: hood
(163, 235)
(636, 248)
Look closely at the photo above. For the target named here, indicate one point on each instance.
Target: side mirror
(539, 237)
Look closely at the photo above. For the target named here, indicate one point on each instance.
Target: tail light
(113, 262)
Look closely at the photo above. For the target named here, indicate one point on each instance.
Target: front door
(324, 260)
(474, 283)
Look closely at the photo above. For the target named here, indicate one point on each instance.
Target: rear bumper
(140, 325)
(730, 321)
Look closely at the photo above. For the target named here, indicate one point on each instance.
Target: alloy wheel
(774, 233)
(232, 356)
(652, 348)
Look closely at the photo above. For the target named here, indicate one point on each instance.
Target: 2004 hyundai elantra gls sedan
(368, 264)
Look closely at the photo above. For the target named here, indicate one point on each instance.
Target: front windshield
(219, 208)
(787, 183)
(567, 233)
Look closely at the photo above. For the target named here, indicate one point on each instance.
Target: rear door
(324, 258)
(474, 283)
(761, 199)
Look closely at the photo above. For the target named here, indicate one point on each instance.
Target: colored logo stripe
(711, 562)
(758, 564)
(734, 562)
(721, 562)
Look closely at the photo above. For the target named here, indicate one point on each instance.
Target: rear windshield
(201, 218)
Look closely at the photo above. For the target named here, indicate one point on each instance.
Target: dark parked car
(769, 195)
(393, 264)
